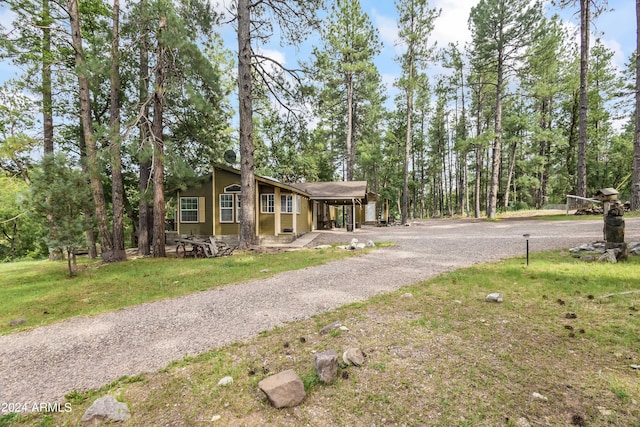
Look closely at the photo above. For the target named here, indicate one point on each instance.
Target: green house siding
(223, 180)
(212, 206)
(202, 222)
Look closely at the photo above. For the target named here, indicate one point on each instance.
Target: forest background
(445, 108)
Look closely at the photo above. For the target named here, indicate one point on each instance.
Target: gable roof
(264, 180)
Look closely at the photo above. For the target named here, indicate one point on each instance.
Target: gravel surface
(44, 364)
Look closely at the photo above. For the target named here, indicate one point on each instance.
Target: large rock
(106, 410)
(284, 389)
(326, 364)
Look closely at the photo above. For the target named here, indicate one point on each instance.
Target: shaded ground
(44, 364)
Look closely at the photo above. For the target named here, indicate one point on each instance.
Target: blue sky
(617, 26)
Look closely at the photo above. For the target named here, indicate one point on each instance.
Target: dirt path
(44, 364)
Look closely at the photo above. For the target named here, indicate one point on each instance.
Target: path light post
(526, 236)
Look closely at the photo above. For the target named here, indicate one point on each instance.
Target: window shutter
(201, 210)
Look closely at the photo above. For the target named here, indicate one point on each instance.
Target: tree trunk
(158, 148)
(348, 218)
(407, 146)
(635, 193)
(247, 174)
(145, 220)
(512, 166)
(581, 189)
(497, 145)
(87, 125)
(117, 187)
(47, 92)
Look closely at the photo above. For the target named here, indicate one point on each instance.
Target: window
(298, 203)
(267, 203)
(226, 207)
(233, 188)
(189, 209)
(286, 203)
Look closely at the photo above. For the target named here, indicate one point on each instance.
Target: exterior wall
(204, 223)
(207, 220)
(222, 180)
(266, 221)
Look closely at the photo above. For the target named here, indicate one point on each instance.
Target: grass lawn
(42, 292)
(556, 352)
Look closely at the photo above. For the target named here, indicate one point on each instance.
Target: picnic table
(200, 248)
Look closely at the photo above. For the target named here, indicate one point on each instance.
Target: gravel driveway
(44, 364)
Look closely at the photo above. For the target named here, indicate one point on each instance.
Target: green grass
(444, 357)
(42, 292)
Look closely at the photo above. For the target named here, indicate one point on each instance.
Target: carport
(341, 193)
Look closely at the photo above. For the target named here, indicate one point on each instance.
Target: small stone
(216, 418)
(609, 256)
(353, 356)
(105, 410)
(371, 244)
(635, 366)
(322, 247)
(330, 327)
(225, 381)
(538, 396)
(16, 322)
(353, 244)
(408, 295)
(494, 297)
(604, 411)
(571, 316)
(265, 270)
(523, 422)
(343, 328)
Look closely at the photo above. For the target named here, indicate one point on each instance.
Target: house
(283, 211)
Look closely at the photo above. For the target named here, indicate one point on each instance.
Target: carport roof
(339, 192)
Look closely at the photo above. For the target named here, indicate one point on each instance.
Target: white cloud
(387, 28)
(619, 58)
(452, 25)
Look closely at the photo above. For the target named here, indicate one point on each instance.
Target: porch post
(277, 212)
(257, 209)
(294, 203)
(314, 215)
(353, 215)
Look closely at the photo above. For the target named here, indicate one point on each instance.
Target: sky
(617, 28)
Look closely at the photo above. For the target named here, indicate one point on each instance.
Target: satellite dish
(230, 156)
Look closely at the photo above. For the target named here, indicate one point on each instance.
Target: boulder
(284, 389)
(106, 410)
(326, 364)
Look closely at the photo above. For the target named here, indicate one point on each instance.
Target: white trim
(196, 210)
(264, 199)
(227, 208)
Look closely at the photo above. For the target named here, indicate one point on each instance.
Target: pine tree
(501, 31)
(416, 21)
